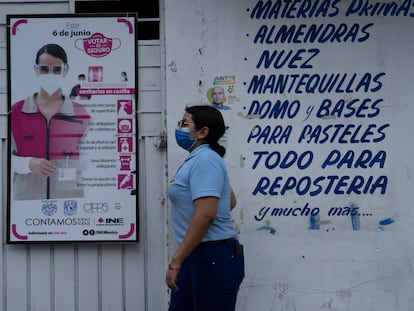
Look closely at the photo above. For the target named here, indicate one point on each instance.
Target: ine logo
(110, 221)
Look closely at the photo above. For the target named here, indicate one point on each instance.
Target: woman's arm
(233, 200)
(26, 165)
(39, 166)
(204, 214)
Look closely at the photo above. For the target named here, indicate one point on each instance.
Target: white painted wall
(352, 261)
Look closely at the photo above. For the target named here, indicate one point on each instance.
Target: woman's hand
(171, 277)
(42, 167)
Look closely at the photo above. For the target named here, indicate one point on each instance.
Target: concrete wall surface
(319, 148)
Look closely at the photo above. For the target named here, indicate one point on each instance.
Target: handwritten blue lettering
(299, 59)
(286, 211)
(331, 184)
(299, 34)
(274, 159)
(352, 108)
(365, 159)
(342, 133)
(343, 211)
(315, 83)
(269, 135)
(380, 8)
(294, 9)
(276, 110)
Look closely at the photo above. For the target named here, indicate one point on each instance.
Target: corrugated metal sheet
(92, 277)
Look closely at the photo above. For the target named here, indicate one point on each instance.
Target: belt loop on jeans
(216, 242)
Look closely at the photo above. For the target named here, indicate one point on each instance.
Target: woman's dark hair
(54, 50)
(205, 115)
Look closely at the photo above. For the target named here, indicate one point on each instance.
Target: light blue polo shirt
(202, 174)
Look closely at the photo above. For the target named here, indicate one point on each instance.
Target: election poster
(72, 85)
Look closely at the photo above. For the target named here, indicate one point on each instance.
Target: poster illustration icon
(98, 45)
(124, 144)
(125, 181)
(125, 126)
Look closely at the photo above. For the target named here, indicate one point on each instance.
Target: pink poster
(72, 126)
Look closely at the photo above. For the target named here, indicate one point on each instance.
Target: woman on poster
(47, 128)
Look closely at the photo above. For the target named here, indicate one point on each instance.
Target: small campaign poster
(72, 147)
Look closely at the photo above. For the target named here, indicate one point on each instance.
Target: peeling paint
(386, 222)
(173, 66)
(242, 160)
(271, 229)
(356, 225)
(248, 116)
(314, 221)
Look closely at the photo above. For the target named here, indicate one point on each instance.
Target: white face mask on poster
(50, 82)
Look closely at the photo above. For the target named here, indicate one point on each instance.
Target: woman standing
(207, 268)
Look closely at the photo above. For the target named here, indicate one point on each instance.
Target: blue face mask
(182, 136)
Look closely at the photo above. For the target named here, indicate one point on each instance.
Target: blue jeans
(209, 278)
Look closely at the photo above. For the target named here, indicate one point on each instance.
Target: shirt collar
(197, 150)
(29, 106)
